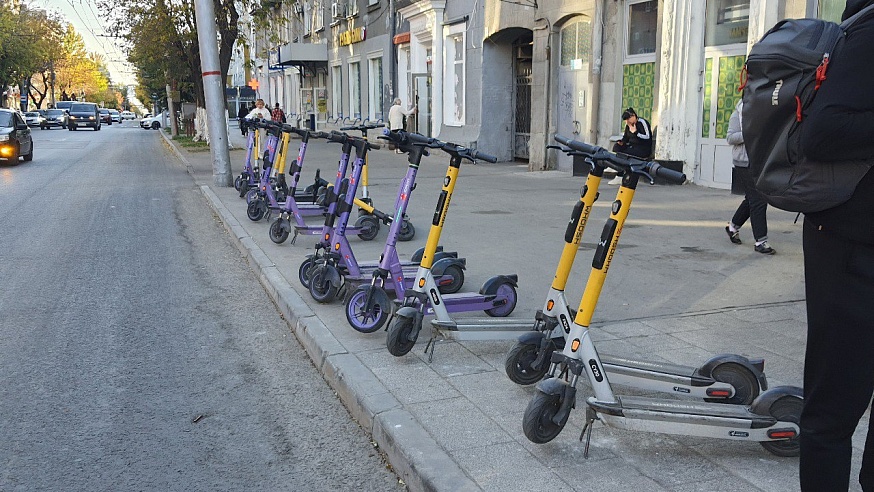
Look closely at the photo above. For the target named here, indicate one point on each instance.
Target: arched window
(576, 43)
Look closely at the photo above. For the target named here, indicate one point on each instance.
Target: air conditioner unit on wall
(338, 10)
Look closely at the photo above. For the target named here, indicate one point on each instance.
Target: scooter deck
(678, 410)
(480, 329)
(663, 371)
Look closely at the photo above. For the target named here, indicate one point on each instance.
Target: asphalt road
(137, 350)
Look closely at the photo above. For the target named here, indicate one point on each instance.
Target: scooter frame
(771, 419)
(725, 378)
(497, 297)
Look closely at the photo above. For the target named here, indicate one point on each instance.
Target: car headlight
(4, 138)
(90, 117)
(72, 117)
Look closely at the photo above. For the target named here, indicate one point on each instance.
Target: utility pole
(210, 67)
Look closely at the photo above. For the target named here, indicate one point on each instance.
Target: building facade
(506, 76)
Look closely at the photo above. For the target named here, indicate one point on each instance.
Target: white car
(152, 122)
(128, 115)
(33, 118)
(115, 115)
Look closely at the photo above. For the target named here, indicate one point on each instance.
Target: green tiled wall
(726, 93)
(638, 83)
(708, 92)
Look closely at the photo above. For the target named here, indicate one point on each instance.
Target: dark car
(55, 117)
(105, 116)
(65, 105)
(84, 114)
(15, 138)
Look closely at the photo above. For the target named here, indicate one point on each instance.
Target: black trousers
(753, 207)
(639, 151)
(839, 363)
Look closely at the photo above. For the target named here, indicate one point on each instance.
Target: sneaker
(735, 236)
(765, 248)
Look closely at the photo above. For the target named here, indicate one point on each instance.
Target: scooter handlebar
(477, 155)
(577, 145)
(667, 173)
(403, 137)
(623, 163)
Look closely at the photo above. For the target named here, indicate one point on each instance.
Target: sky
(85, 17)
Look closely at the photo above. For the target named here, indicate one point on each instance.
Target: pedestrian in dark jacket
(637, 139)
(839, 273)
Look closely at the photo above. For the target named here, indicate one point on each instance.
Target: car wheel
(29, 156)
(156, 125)
(97, 128)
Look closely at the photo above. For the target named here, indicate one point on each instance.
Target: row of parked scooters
(729, 393)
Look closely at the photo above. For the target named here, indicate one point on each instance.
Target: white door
(573, 84)
(722, 68)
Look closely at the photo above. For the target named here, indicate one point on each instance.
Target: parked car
(15, 138)
(84, 114)
(33, 118)
(115, 115)
(55, 117)
(105, 117)
(153, 122)
(128, 115)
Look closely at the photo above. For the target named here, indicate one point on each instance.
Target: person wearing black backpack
(839, 271)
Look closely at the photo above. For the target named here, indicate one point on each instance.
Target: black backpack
(783, 72)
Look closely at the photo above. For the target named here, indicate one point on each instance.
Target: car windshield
(81, 107)
(56, 112)
(104, 111)
(5, 120)
(31, 113)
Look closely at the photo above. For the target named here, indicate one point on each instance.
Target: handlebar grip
(346, 128)
(577, 145)
(667, 173)
(376, 146)
(483, 156)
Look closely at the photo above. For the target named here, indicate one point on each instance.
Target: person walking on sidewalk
(839, 272)
(259, 111)
(396, 114)
(278, 114)
(753, 207)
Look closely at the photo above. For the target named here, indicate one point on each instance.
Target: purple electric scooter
(333, 269)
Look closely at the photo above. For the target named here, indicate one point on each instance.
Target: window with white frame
(318, 22)
(642, 26)
(726, 22)
(337, 91)
(453, 84)
(307, 18)
(355, 90)
(371, 3)
(351, 8)
(374, 79)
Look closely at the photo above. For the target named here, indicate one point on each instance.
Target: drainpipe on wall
(392, 55)
(597, 51)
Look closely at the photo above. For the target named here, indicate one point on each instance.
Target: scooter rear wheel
(537, 423)
(305, 271)
(745, 383)
(505, 289)
(237, 183)
(277, 233)
(787, 409)
(457, 275)
(367, 321)
(251, 195)
(321, 287)
(398, 339)
(407, 231)
(368, 227)
(518, 364)
(256, 210)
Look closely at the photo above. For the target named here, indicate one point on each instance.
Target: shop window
(454, 77)
(575, 44)
(355, 90)
(374, 79)
(727, 22)
(337, 91)
(642, 28)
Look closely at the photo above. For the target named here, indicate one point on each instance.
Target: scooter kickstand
(432, 344)
(591, 417)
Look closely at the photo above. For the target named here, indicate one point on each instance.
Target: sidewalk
(678, 291)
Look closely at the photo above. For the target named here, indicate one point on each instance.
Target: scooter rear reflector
(782, 433)
(718, 393)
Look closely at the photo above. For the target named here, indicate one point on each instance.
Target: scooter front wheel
(398, 339)
(256, 210)
(321, 287)
(277, 233)
(786, 409)
(238, 182)
(368, 227)
(538, 424)
(407, 231)
(305, 271)
(359, 317)
(251, 195)
(518, 365)
(744, 382)
(507, 291)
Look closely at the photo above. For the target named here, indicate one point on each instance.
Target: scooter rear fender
(762, 404)
(706, 370)
(440, 266)
(490, 288)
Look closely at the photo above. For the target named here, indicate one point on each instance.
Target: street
(137, 349)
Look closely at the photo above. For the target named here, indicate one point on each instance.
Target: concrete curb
(415, 456)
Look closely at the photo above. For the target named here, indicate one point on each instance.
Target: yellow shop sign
(352, 36)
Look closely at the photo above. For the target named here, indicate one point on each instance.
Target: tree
(19, 60)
